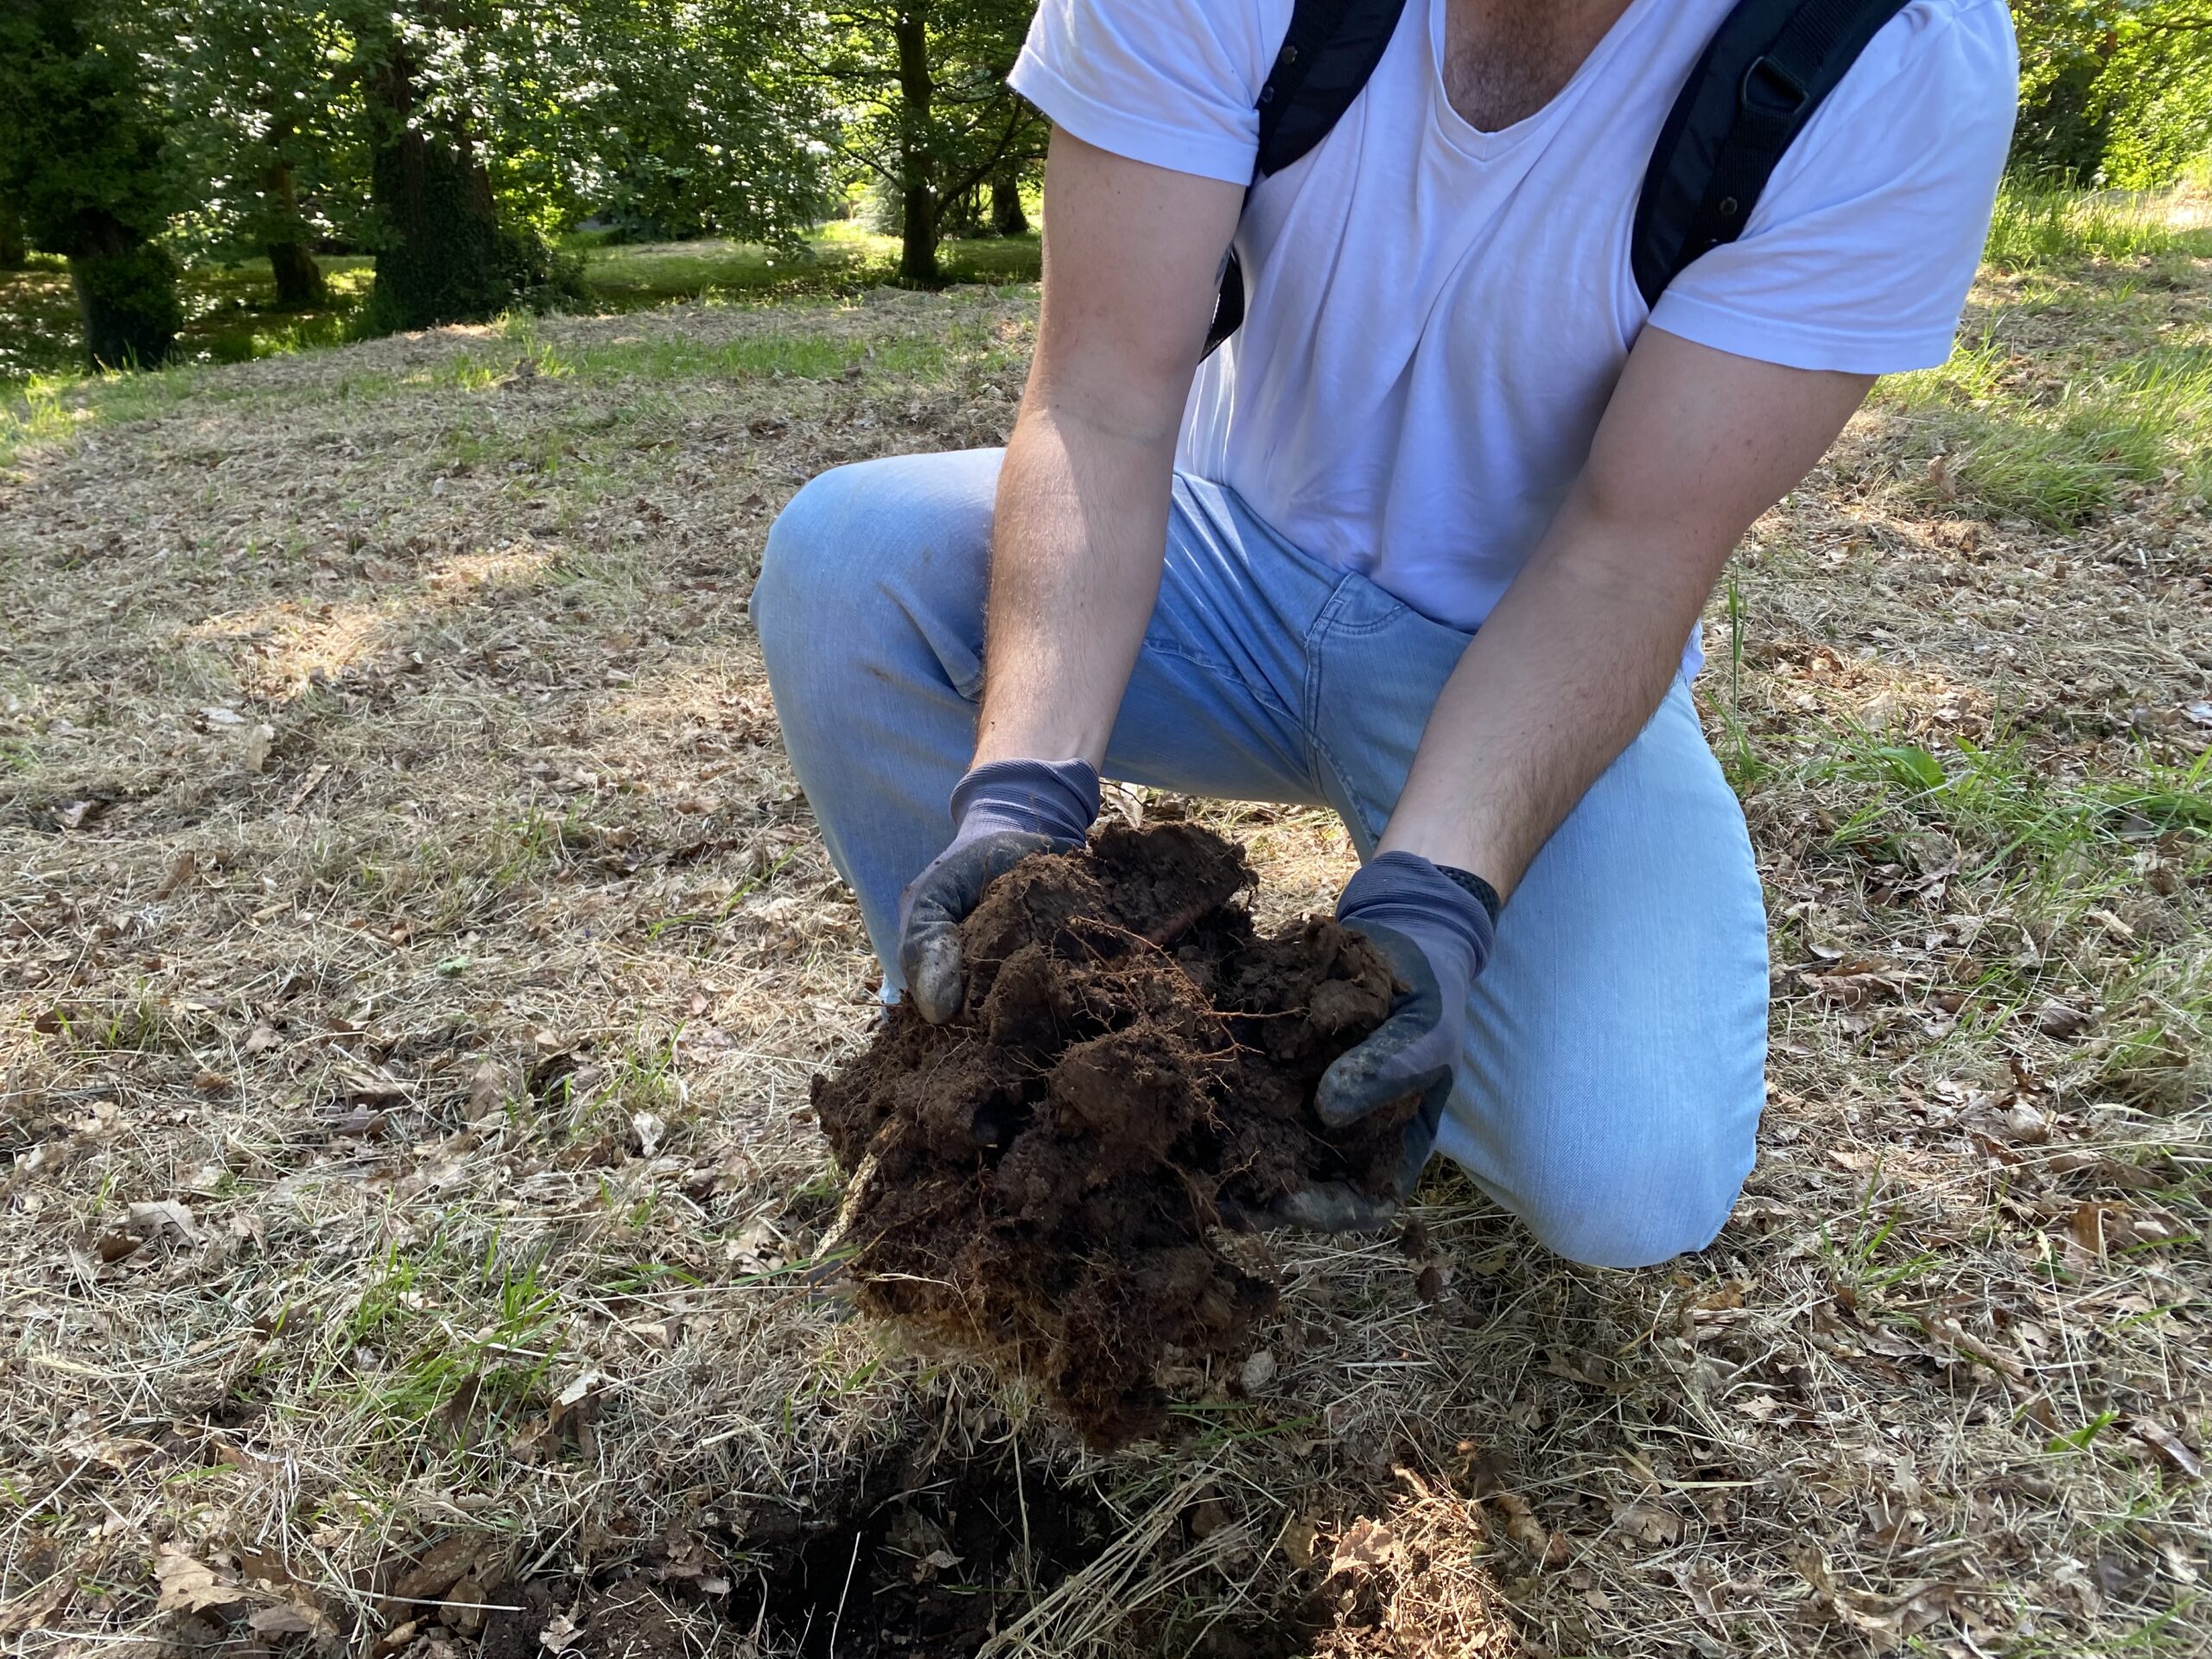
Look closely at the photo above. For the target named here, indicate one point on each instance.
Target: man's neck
(1504, 60)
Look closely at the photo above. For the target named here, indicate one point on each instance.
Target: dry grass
(416, 953)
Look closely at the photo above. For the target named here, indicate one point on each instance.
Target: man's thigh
(876, 589)
(1614, 1073)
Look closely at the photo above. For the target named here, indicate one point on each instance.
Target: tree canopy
(452, 139)
(2113, 91)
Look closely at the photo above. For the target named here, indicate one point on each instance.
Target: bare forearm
(1557, 682)
(1563, 674)
(1082, 519)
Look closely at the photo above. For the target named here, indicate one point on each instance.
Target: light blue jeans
(1610, 1091)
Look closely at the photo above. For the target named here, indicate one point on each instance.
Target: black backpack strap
(1328, 53)
(1751, 92)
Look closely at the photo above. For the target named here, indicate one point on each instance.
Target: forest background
(220, 179)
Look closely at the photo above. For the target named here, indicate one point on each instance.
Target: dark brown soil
(1133, 1069)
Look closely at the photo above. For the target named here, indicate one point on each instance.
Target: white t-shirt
(1436, 316)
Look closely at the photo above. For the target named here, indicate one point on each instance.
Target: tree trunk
(300, 286)
(299, 279)
(919, 200)
(126, 290)
(440, 259)
(1006, 217)
(13, 253)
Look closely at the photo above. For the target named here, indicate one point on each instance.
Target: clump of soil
(1042, 1179)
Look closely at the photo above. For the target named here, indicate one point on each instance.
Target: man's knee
(1629, 1206)
(806, 568)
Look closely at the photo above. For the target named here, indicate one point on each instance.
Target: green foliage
(928, 113)
(83, 160)
(130, 305)
(2113, 91)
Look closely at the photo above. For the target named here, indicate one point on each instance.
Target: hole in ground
(923, 1555)
(923, 1560)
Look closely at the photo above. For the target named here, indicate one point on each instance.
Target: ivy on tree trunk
(440, 258)
(126, 290)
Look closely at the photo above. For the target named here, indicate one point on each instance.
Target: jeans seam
(1318, 755)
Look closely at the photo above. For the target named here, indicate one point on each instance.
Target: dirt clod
(1044, 1178)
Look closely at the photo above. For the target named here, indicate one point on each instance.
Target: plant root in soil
(1044, 1178)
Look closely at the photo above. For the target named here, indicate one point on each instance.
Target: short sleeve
(1171, 82)
(1863, 246)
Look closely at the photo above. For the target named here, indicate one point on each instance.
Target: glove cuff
(1055, 799)
(1408, 892)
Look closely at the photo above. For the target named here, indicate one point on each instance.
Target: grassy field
(417, 952)
(231, 318)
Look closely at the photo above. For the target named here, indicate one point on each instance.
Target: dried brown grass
(416, 951)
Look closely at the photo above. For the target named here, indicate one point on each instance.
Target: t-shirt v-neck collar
(1473, 141)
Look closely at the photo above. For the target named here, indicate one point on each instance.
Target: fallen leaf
(188, 1585)
(577, 1390)
(2169, 1445)
(178, 872)
(488, 1090)
(938, 1560)
(1522, 1528)
(1366, 1545)
(1649, 1522)
(289, 1618)
(162, 1215)
(437, 1568)
(561, 1635)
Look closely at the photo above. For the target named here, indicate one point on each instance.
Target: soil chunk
(1043, 1179)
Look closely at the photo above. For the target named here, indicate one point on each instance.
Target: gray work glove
(1001, 812)
(1436, 927)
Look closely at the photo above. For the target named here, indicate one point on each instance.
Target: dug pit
(1044, 1179)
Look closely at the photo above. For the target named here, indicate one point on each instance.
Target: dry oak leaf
(1366, 1545)
(1522, 1528)
(187, 1585)
(2169, 1445)
(151, 1220)
(290, 1618)
(1649, 1522)
(438, 1568)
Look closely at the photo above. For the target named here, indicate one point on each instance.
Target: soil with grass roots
(1044, 1179)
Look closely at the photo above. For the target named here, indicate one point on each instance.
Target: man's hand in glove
(1436, 927)
(1001, 812)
